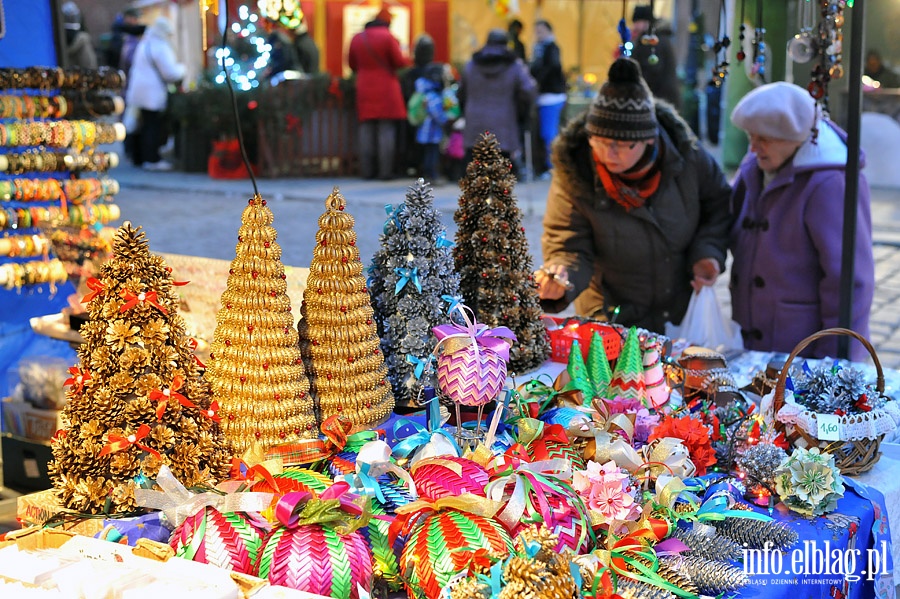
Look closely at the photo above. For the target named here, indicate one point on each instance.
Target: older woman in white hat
(788, 204)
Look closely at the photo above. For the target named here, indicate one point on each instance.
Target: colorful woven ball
(555, 444)
(316, 559)
(229, 541)
(448, 476)
(441, 545)
(552, 502)
(471, 379)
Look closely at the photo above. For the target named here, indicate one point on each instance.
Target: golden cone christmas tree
(136, 401)
(338, 336)
(255, 369)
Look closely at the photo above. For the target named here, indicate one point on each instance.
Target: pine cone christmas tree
(136, 402)
(754, 534)
(410, 276)
(705, 542)
(255, 370)
(492, 258)
(338, 338)
(711, 576)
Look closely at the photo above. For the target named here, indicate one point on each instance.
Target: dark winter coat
(546, 68)
(495, 88)
(641, 260)
(661, 77)
(375, 56)
(307, 53)
(786, 242)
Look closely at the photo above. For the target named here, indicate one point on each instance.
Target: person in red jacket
(375, 57)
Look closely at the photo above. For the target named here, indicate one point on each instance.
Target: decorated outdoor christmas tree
(492, 256)
(338, 337)
(255, 370)
(136, 402)
(411, 276)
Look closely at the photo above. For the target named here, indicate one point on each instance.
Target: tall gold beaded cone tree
(338, 336)
(255, 369)
(492, 257)
(136, 402)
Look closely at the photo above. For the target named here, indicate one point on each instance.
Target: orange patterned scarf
(632, 188)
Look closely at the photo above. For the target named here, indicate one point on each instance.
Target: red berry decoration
(258, 434)
(243, 379)
(266, 244)
(278, 397)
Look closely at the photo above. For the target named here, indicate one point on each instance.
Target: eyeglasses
(612, 145)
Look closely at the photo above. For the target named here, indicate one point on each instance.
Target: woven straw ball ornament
(318, 548)
(448, 476)
(231, 541)
(442, 543)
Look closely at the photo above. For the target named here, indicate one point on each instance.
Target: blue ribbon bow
(453, 300)
(407, 275)
(392, 217)
(443, 242)
(419, 364)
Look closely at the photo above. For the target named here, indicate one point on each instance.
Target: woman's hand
(553, 281)
(706, 271)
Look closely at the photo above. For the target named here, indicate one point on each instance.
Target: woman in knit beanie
(637, 212)
(786, 239)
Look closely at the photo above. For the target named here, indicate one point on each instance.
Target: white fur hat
(777, 110)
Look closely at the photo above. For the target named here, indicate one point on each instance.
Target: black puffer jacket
(641, 260)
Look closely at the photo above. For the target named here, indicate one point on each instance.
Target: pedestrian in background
(306, 49)
(788, 205)
(546, 68)
(79, 45)
(431, 132)
(515, 31)
(423, 57)
(375, 56)
(637, 212)
(655, 53)
(494, 91)
(123, 39)
(155, 68)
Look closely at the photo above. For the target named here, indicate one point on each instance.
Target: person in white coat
(154, 67)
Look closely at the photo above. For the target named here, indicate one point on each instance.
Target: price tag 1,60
(829, 427)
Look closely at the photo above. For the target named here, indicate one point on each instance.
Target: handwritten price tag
(829, 427)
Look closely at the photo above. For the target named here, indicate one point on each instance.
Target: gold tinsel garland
(255, 368)
(338, 337)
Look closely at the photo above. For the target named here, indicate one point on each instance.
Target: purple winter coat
(495, 88)
(786, 242)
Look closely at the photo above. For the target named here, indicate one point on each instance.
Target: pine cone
(541, 535)
(671, 575)
(754, 534)
(470, 588)
(632, 589)
(705, 542)
(711, 576)
(130, 244)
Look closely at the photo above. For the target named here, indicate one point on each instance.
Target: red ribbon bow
(241, 471)
(118, 442)
(213, 412)
(96, 287)
(131, 300)
(193, 344)
(294, 124)
(78, 379)
(163, 396)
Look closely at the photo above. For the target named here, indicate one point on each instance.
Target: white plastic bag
(705, 325)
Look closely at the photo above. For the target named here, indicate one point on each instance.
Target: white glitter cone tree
(255, 368)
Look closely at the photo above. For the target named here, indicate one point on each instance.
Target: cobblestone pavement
(195, 215)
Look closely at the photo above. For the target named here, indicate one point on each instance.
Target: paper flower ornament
(809, 483)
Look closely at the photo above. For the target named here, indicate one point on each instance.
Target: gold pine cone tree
(255, 370)
(338, 336)
(136, 401)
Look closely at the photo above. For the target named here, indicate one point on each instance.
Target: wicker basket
(852, 457)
